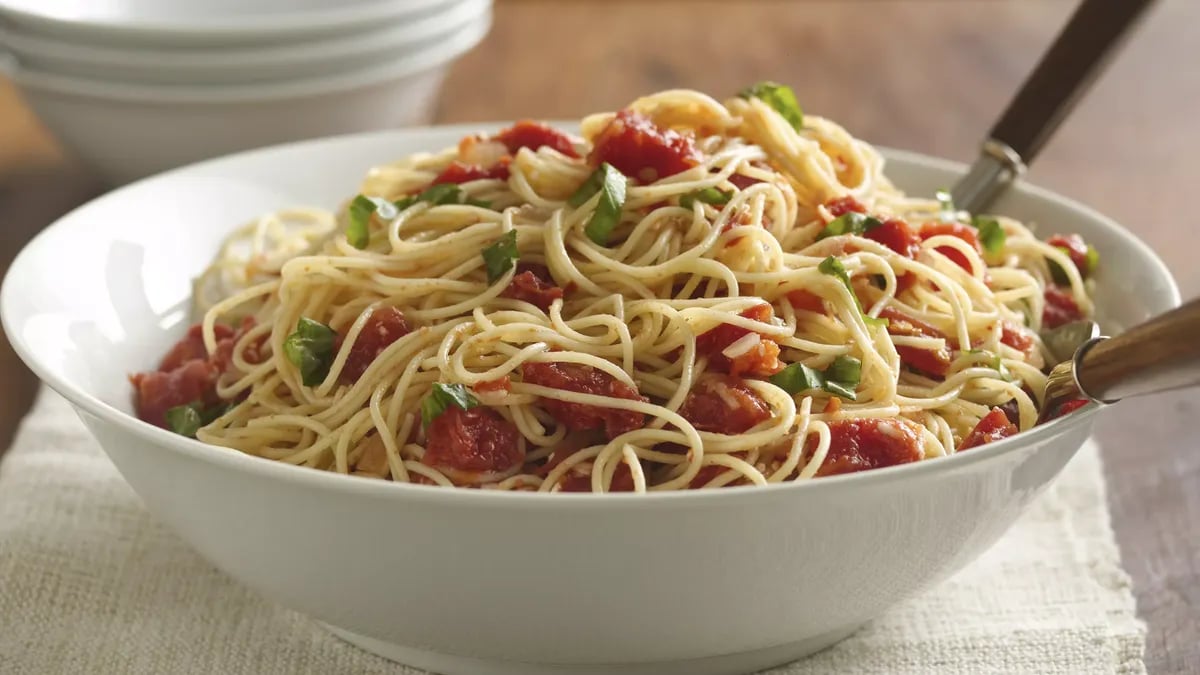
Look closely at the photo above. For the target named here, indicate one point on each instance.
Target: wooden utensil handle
(1159, 355)
(1078, 55)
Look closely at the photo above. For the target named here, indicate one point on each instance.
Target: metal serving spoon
(1159, 355)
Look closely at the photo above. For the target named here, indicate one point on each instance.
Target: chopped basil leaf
(610, 183)
(991, 234)
(851, 222)
(310, 349)
(358, 232)
(840, 378)
(709, 195)
(443, 396)
(845, 369)
(994, 362)
(1093, 261)
(500, 256)
(590, 187)
(781, 98)
(798, 377)
(839, 389)
(833, 267)
(440, 194)
(186, 420)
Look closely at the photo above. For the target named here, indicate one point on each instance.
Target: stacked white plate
(134, 87)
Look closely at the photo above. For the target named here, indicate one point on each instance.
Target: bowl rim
(245, 26)
(344, 483)
(443, 51)
(453, 16)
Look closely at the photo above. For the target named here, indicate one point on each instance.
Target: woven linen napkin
(91, 583)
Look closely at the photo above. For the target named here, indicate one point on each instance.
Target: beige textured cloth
(90, 583)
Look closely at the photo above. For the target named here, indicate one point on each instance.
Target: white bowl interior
(133, 252)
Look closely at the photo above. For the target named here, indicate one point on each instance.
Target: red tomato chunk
(585, 380)
(458, 172)
(470, 444)
(933, 362)
(840, 206)
(533, 284)
(762, 360)
(896, 235)
(640, 150)
(861, 444)
(534, 135)
(1016, 337)
(724, 405)
(1076, 248)
(964, 232)
(383, 327)
(159, 391)
(994, 426)
(500, 384)
(1060, 308)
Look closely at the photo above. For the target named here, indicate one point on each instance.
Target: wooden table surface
(926, 75)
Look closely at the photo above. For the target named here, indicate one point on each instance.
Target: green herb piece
(310, 349)
(798, 377)
(709, 195)
(442, 397)
(610, 183)
(441, 194)
(991, 234)
(358, 232)
(1093, 261)
(840, 378)
(846, 369)
(834, 268)
(500, 257)
(186, 420)
(851, 222)
(781, 98)
(994, 362)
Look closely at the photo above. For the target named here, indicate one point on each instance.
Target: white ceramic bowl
(479, 582)
(126, 131)
(378, 45)
(203, 22)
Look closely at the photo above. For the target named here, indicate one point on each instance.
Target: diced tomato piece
(383, 327)
(723, 404)
(742, 182)
(1076, 248)
(534, 135)
(994, 426)
(222, 359)
(761, 360)
(585, 380)
(622, 481)
(458, 172)
(472, 445)
(191, 347)
(1017, 337)
(1069, 407)
(158, 391)
(833, 405)
(641, 150)
(870, 443)
(964, 232)
(896, 235)
(533, 284)
(806, 300)
(1060, 308)
(840, 206)
(499, 384)
(900, 323)
(932, 362)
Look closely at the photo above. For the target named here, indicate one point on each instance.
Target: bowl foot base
(726, 664)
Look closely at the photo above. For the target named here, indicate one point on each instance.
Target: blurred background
(924, 75)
